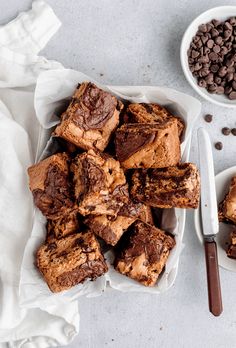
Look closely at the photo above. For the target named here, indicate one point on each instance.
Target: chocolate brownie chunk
(71, 260)
(231, 252)
(91, 117)
(151, 113)
(177, 186)
(100, 184)
(143, 145)
(50, 186)
(111, 228)
(143, 252)
(227, 209)
(63, 226)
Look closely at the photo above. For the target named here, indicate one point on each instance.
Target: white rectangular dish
(52, 90)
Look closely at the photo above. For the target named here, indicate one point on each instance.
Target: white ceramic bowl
(222, 181)
(221, 13)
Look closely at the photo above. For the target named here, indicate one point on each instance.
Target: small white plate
(221, 13)
(222, 181)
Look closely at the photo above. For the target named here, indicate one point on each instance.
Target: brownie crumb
(219, 145)
(208, 118)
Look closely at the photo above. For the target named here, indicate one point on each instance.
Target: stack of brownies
(88, 195)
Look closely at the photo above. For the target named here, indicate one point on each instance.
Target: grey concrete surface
(135, 42)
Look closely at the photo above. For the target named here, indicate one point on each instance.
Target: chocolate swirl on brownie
(57, 193)
(93, 107)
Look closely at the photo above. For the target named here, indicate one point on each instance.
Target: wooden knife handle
(213, 278)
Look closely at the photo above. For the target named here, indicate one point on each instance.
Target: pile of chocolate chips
(212, 57)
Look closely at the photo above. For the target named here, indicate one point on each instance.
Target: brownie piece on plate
(144, 145)
(111, 228)
(91, 117)
(63, 226)
(100, 184)
(177, 186)
(50, 186)
(231, 252)
(143, 252)
(71, 260)
(151, 113)
(227, 209)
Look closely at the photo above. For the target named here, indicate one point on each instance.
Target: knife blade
(209, 219)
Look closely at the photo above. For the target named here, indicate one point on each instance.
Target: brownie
(227, 208)
(91, 117)
(177, 186)
(231, 252)
(143, 145)
(71, 260)
(143, 252)
(100, 184)
(50, 185)
(151, 113)
(111, 228)
(64, 225)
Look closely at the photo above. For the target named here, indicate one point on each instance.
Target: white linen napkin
(20, 42)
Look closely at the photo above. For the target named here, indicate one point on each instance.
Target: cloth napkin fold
(20, 42)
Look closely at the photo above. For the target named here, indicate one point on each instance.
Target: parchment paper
(54, 88)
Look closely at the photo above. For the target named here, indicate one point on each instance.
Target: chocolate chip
(209, 26)
(217, 80)
(233, 131)
(222, 71)
(195, 54)
(225, 131)
(232, 21)
(228, 90)
(202, 28)
(234, 85)
(224, 50)
(218, 40)
(209, 78)
(216, 22)
(210, 43)
(228, 26)
(213, 56)
(229, 63)
(203, 59)
(227, 34)
(228, 45)
(191, 68)
(196, 39)
(204, 39)
(214, 68)
(208, 118)
(204, 72)
(232, 95)
(220, 90)
(223, 82)
(214, 32)
(219, 145)
(206, 50)
(199, 44)
(216, 48)
(202, 83)
(197, 66)
(229, 76)
(212, 88)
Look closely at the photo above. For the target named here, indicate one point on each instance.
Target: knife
(210, 222)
